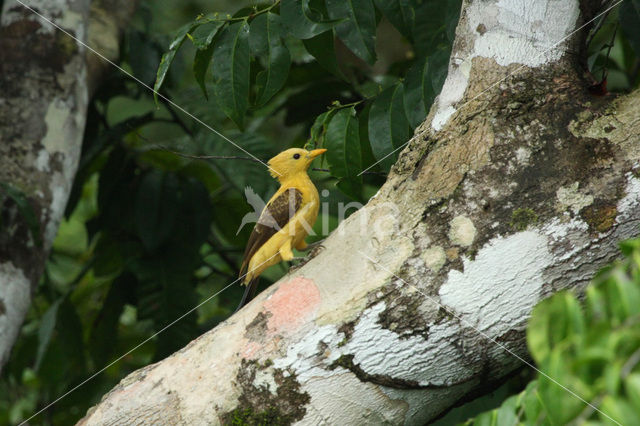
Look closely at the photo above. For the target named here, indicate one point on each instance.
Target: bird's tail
(249, 293)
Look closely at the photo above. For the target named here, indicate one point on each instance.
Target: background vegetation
(151, 226)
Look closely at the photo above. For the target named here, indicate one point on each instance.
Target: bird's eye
(296, 156)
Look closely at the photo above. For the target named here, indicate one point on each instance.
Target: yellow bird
(286, 219)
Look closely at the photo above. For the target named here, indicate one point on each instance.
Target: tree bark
(507, 193)
(44, 91)
(42, 115)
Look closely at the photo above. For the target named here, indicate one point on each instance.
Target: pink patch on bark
(292, 304)
(250, 350)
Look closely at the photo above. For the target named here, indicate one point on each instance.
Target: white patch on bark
(56, 11)
(462, 231)
(498, 289)
(441, 116)
(513, 32)
(42, 162)
(58, 126)
(436, 360)
(523, 32)
(423, 403)
(15, 296)
(631, 200)
(355, 401)
(59, 193)
(65, 122)
(264, 379)
(569, 197)
(413, 358)
(320, 382)
(523, 155)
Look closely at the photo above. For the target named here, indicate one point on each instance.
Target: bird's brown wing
(274, 217)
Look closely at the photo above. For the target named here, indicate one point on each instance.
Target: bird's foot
(296, 263)
(315, 250)
(312, 246)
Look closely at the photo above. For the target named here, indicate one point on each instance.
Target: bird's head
(292, 161)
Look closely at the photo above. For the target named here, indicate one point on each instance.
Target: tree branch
(506, 194)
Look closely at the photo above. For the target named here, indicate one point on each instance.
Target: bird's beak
(313, 154)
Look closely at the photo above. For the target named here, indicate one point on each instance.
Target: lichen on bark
(258, 404)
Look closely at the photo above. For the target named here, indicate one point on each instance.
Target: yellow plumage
(286, 219)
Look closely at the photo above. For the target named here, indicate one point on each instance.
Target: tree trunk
(44, 90)
(42, 115)
(507, 193)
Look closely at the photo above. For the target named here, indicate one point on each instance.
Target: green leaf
(632, 387)
(165, 293)
(301, 20)
(322, 47)
(554, 320)
(342, 142)
(506, 414)
(166, 290)
(400, 13)
(629, 15)
(261, 30)
(231, 58)
(200, 65)
(69, 336)
(418, 96)
(388, 125)
(204, 34)
(168, 57)
(265, 40)
(319, 128)
(437, 74)
(47, 325)
(143, 55)
(196, 212)
(352, 187)
(532, 403)
(104, 330)
(202, 37)
(156, 208)
(358, 28)
(365, 145)
(433, 20)
(626, 293)
(203, 172)
(618, 409)
(25, 209)
(242, 173)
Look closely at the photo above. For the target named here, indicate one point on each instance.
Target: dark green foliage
(20, 200)
(615, 46)
(630, 22)
(266, 42)
(252, 58)
(157, 204)
(168, 57)
(203, 36)
(342, 140)
(400, 13)
(389, 128)
(231, 71)
(322, 48)
(47, 325)
(590, 348)
(303, 20)
(104, 329)
(356, 27)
